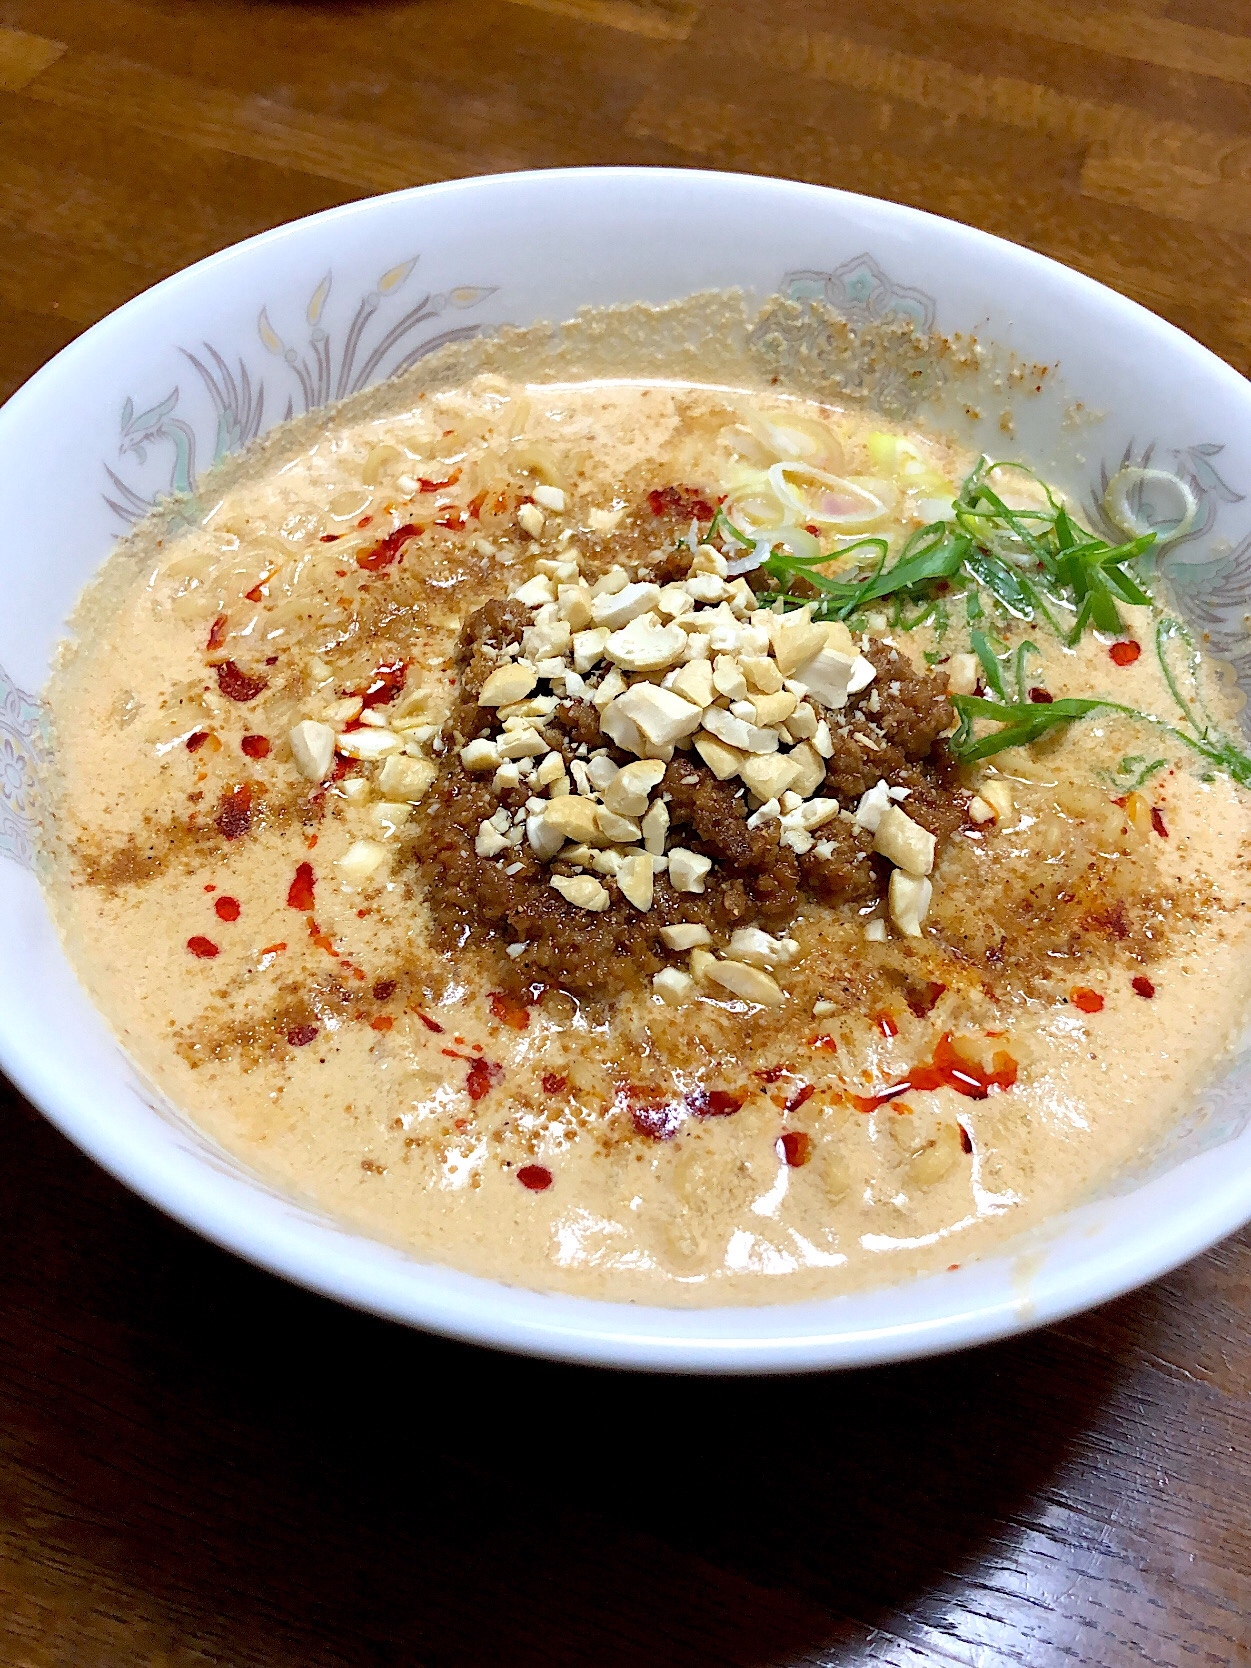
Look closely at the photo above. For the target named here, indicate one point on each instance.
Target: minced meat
(755, 880)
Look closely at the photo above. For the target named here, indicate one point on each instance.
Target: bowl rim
(474, 1309)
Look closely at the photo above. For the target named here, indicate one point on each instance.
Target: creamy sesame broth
(531, 825)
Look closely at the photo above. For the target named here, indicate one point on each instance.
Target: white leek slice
(789, 436)
(891, 454)
(829, 500)
(1120, 511)
(798, 540)
(753, 507)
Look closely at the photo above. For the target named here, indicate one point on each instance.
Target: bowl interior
(143, 403)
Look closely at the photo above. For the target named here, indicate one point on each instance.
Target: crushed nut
(687, 870)
(582, 891)
(751, 983)
(312, 748)
(507, 684)
(636, 879)
(997, 793)
(405, 778)
(628, 791)
(480, 755)
(361, 862)
(368, 744)
(909, 900)
(962, 674)
(672, 985)
(685, 936)
(904, 843)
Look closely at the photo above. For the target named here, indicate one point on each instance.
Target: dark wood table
(201, 1465)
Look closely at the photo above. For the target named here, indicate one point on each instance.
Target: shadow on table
(286, 1482)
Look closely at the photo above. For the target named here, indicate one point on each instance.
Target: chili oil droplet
(238, 685)
(300, 891)
(794, 1147)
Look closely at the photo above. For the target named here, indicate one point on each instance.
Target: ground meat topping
(649, 766)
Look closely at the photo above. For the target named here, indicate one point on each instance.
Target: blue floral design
(325, 369)
(862, 293)
(20, 752)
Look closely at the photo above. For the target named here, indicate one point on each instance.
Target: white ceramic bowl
(142, 402)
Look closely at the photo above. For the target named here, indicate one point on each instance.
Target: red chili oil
(510, 1010)
(794, 1147)
(385, 684)
(301, 890)
(234, 814)
(922, 998)
(947, 1068)
(482, 1076)
(651, 1112)
(683, 503)
(714, 1103)
(236, 684)
(388, 550)
(423, 485)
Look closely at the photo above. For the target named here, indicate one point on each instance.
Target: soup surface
(488, 821)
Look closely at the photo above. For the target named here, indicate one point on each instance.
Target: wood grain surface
(199, 1465)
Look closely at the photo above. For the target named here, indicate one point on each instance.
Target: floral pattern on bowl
(21, 752)
(335, 361)
(863, 294)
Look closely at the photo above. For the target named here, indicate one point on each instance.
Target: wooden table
(200, 1465)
